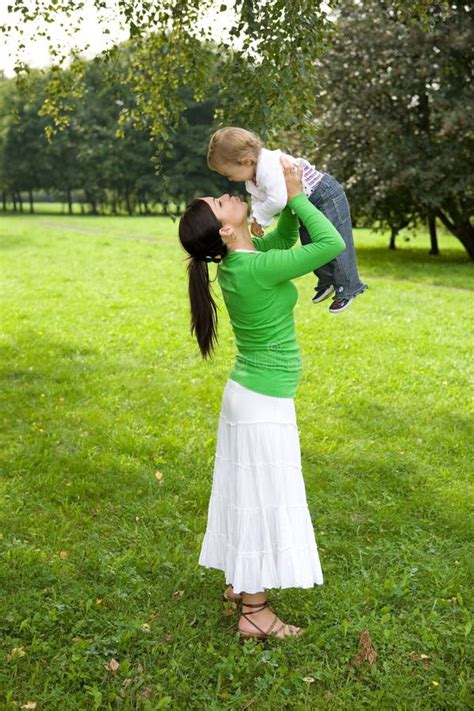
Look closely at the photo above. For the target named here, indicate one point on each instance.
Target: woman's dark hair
(199, 235)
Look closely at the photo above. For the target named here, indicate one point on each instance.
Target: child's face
(236, 172)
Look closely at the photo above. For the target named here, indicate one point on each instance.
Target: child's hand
(293, 175)
(256, 229)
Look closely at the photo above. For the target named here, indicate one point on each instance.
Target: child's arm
(326, 243)
(270, 179)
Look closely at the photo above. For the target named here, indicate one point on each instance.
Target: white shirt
(269, 195)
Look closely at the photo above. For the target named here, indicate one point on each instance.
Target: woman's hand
(293, 175)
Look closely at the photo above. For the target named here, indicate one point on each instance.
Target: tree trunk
(463, 230)
(4, 200)
(30, 195)
(14, 202)
(433, 235)
(20, 201)
(92, 200)
(393, 234)
(127, 202)
(69, 200)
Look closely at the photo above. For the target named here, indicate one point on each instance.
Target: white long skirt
(259, 530)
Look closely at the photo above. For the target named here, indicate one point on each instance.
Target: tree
(23, 141)
(109, 160)
(396, 122)
(265, 79)
(186, 165)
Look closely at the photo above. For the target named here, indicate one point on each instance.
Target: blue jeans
(329, 197)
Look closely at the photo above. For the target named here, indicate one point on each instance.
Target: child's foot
(340, 304)
(322, 293)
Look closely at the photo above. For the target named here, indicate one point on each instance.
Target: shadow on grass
(10, 242)
(79, 434)
(393, 469)
(451, 269)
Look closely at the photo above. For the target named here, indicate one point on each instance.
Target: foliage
(99, 151)
(102, 387)
(396, 122)
(267, 56)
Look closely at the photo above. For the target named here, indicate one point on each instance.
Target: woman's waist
(275, 357)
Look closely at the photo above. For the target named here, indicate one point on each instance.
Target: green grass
(102, 387)
(62, 208)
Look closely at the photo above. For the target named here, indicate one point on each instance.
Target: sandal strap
(260, 604)
(265, 632)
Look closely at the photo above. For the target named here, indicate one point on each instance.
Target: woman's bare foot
(264, 618)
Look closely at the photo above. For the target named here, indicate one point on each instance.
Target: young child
(239, 155)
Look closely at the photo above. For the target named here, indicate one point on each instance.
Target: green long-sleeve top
(260, 297)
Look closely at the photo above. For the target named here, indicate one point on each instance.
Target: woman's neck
(243, 239)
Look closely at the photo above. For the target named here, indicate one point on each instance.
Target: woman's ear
(227, 233)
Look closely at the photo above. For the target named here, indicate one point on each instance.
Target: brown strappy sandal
(264, 635)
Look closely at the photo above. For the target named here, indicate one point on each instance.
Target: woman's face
(229, 210)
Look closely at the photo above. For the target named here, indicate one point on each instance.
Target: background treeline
(104, 163)
(393, 121)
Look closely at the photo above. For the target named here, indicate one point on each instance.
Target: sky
(37, 54)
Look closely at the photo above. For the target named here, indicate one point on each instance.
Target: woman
(259, 531)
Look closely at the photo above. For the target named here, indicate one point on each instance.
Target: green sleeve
(283, 236)
(279, 265)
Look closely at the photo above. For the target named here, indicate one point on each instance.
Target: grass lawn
(102, 602)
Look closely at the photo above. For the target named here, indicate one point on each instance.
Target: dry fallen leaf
(328, 694)
(228, 612)
(168, 637)
(112, 666)
(63, 554)
(159, 476)
(146, 693)
(29, 705)
(308, 679)
(178, 593)
(16, 653)
(419, 657)
(366, 651)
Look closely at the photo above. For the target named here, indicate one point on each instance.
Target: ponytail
(199, 235)
(203, 306)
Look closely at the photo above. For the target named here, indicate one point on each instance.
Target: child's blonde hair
(232, 145)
